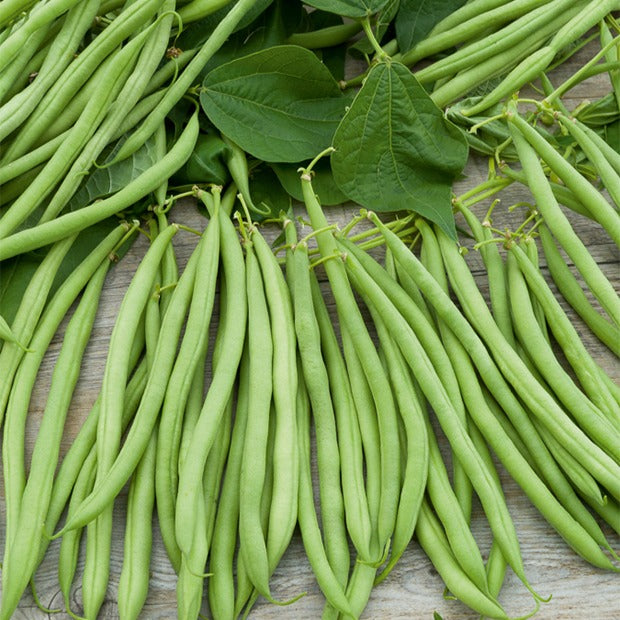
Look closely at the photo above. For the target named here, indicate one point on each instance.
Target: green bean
(416, 465)
(430, 341)
(178, 89)
(193, 348)
(442, 495)
(189, 583)
(609, 177)
(529, 245)
(61, 52)
(529, 143)
(454, 428)
(350, 447)
(12, 73)
(133, 582)
(70, 544)
(433, 542)
(325, 37)
(76, 221)
(10, 9)
(29, 311)
(493, 44)
(233, 331)
(196, 10)
(117, 363)
(591, 419)
(83, 450)
(31, 160)
(468, 78)
(534, 396)
(531, 67)
(575, 472)
(586, 369)
(221, 584)
(75, 75)
(39, 17)
(96, 572)
(330, 584)
(131, 91)
(21, 551)
(612, 156)
(353, 324)
(471, 9)
(572, 292)
(316, 379)
(92, 115)
(572, 529)
(369, 434)
(260, 353)
(330, 560)
(283, 513)
(496, 566)
(468, 29)
(144, 421)
(496, 272)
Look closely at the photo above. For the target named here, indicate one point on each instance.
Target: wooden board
(414, 589)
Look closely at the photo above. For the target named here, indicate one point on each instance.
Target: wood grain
(414, 589)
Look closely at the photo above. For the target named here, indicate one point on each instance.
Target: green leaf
(416, 18)
(105, 181)
(206, 164)
(349, 8)
(396, 151)
(381, 25)
(279, 105)
(268, 193)
(322, 182)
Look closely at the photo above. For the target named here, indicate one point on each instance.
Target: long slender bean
(21, 551)
(76, 221)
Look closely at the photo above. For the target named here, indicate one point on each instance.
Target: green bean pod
(193, 348)
(354, 325)
(283, 512)
(77, 73)
(148, 409)
(133, 582)
(62, 49)
(233, 333)
(76, 221)
(221, 590)
(90, 118)
(21, 551)
(586, 369)
(260, 354)
(529, 143)
(571, 523)
(352, 467)
(572, 292)
(432, 540)
(588, 415)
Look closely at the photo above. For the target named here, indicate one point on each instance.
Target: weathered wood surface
(414, 589)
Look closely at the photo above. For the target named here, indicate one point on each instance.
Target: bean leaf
(396, 151)
(416, 18)
(349, 8)
(279, 105)
(322, 182)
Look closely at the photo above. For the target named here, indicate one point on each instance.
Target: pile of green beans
(226, 463)
(370, 403)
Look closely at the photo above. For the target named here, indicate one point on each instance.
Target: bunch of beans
(226, 464)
